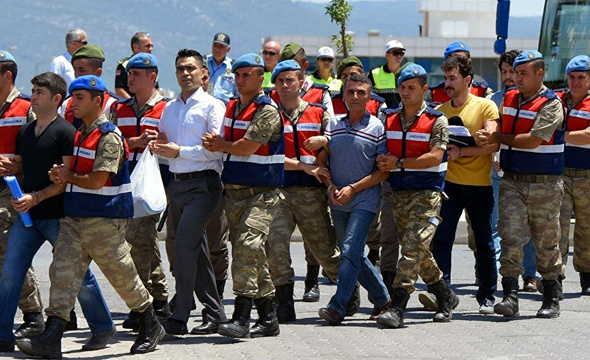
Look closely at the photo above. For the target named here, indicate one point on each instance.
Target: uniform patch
(228, 71)
(257, 59)
(531, 55)
(2, 55)
(221, 37)
(111, 150)
(416, 71)
(93, 82)
(147, 61)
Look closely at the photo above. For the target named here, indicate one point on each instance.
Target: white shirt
(62, 66)
(185, 123)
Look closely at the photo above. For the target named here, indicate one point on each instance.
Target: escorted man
(324, 74)
(252, 173)
(383, 77)
(576, 175)
(138, 118)
(306, 203)
(194, 191)
(221, 80)
(14, 113)
(354, 143)
(271, 53)
(532, 145)
(140, 42)
(417, 138)
(62, 65)
(40, 144)
(97, 204)
(468, 181)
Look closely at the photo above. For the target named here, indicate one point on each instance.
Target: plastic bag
(149, 195)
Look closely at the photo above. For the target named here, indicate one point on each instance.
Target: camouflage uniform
(576, 197)
(383, 233)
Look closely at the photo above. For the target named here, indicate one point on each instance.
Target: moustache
(449, 88)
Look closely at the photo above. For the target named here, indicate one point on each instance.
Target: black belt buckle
(193, 175)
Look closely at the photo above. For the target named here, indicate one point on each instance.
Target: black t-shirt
(38, 155)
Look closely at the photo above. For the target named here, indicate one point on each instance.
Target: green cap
(289, 51)
(346, 62)
(89, 51)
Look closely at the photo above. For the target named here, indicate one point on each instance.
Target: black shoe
(172, 304)
(6, 346)
(239, 325)
(388, 277)
(446, 299)
(550, 307)
(312, 289)
(220, 288)
(150, 332)
(331, 316)
(99, 341)
(267, 323)
(508, 307)
(73, 323)
(394, 317)
(132, 321)
(286, 307)
(175, 327)
(32, 326)
(48, 344)
(206, 328)
(162, 309)
(585, 283)
(354, 303)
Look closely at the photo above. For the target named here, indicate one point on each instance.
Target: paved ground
(469, 336)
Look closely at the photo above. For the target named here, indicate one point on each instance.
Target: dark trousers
(478, 202)
(192, 202)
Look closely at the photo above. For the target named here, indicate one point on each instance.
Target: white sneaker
(487, 308)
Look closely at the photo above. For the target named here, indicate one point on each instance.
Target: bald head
(271, 53)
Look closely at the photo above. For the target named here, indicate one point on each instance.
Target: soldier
(271, 53)
(253, 166)
(417, 138)
(140, 42)
(306, 203)
(576, 176)
(531, 189)
(97, 204)
(137, 117)
(383, 77)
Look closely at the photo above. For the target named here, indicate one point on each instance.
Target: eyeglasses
(83, 42)
(326, 59)
(397, 53)
(271, 53)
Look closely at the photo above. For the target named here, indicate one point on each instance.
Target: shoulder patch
(377, 97)
(436, 86)
(264, 99)
(392, 110)
(107, 127)
(481, 84)
(549, 94)
(24, 97)
(432, 111)
(318, 105)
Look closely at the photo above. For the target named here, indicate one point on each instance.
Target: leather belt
(194, 175)
(576, 173)
(532, 178)
(241, 194)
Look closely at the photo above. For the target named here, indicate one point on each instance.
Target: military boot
(150, 332)
(509, 305)
(162, 309)
(394, 316)
(132, 321)
(73, 323)
(286, 305)
(220, 288)
(239, 325)
(267, 323)
(312, 289)
(446, 300)
(354, 303)
(560, 289)
(33, 325)
(585, 283)
(388, 277)
(48, 344)
(550, 307)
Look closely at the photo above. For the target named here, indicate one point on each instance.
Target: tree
(339, 11)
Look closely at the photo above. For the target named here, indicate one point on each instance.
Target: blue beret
(525, 57)
(6, 56)
(578, 63)
(142, 61)
(87, 82)
(411, 71)
(456, 46)
(246, 60)
(284, 66)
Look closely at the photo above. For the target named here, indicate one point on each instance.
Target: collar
(14, 93)
(85, 131)
(68, 56)
(533, 97)
(409, 122)
(194, 96)
(364, 120)
(151, 102)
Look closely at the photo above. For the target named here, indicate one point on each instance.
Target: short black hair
(53, 82)
(422, 79)
(458, 62)
(361, 78)
(508, 58)
(538, 64)
(137, 37)
(95, 93)
(94, 63)
(184, 53)
(9, 66)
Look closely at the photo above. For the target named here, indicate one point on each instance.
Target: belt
(241, 194)
(576, 173)
(194, 175)
(532, 178)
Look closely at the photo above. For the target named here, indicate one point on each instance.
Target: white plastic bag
(149, 195)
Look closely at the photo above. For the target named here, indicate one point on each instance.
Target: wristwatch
(400, 163)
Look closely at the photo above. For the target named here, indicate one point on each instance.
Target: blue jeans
(23, 244)
(351, 231)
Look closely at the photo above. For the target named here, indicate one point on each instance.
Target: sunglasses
(82, 42)
(397, 53)
(325, 59)
(271, 53)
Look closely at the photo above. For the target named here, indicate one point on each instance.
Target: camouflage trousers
(416, 215)
(82, 240)
(306, 207)
(576, 197)
(530, 209)
(383, 232)
(142, 235)
(30, 298)
(249, 223)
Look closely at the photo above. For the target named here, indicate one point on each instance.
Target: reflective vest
(309, 124)
(113, 200)
(314, 93)
(384, 81)
(372, 106)
(439, 96)
(109, 100)
(578, 118)
(11, 120)
(548, 157)
(267, 83)
(410, 143)
(333, 84)
(264, 168)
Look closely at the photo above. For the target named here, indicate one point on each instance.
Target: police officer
(576, 175)
(138, 118)
(271, 53)
(531, 189)
(305, 203)
(383, 77)
(221, 83)
(140, 42)
(417, 175)
(252, 171)
(98, 202)
(324, 70)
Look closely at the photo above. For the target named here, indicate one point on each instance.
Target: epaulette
(319, 86)
(433, 111)
(113, 95)
(392, 110)
(107, 127)
(337, 96)
(377, 97)
(264, 99)
(268, 90)
(319, 105)
(482, 84)
(24, 97)
(562, 90)
(549, 94)
(122, 101)
(436, 86)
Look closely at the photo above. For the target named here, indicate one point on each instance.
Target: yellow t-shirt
(471, 170)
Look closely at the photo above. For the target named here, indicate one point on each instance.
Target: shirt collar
(533, 97)
(68, 56)
(96, 123)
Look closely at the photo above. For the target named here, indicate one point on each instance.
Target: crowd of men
(252, 148)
